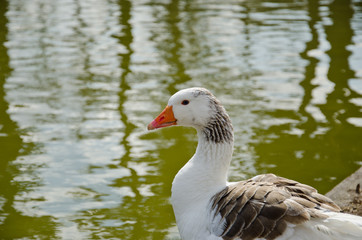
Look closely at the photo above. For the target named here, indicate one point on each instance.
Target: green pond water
(81, 79)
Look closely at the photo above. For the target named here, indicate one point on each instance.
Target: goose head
(198, 108)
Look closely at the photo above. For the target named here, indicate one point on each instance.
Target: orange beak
(165, 119)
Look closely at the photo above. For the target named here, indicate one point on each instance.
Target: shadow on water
(170, 50)
(151, 215)
(345, 138)
(338, 108)
(310, 124)
(131, 206)
(13, 223)
(171, 47)
(310, 145)
(134, 212)
(100, 221)
(140, 215)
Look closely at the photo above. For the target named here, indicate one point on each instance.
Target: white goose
(208, 207)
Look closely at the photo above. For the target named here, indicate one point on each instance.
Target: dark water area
(81, 79)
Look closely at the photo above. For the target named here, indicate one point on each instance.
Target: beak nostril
(165, 119)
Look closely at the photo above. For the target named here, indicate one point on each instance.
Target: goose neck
(213, 154)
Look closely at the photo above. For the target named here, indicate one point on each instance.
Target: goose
(208, 207)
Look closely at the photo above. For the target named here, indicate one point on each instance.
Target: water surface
(81, 79)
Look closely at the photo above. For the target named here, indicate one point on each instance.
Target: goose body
(207, 206)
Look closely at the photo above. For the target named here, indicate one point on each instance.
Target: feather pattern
(218, 128)
(263, 206)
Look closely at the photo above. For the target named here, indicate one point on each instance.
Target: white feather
(206, 174)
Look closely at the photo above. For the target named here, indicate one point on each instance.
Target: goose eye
(185, 102)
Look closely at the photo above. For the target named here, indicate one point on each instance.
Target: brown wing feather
(262, 207)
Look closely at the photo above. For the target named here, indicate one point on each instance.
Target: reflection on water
(321, 133)
(80, 80)
(11, 148)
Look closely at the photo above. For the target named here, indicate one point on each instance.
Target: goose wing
(263, 206)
